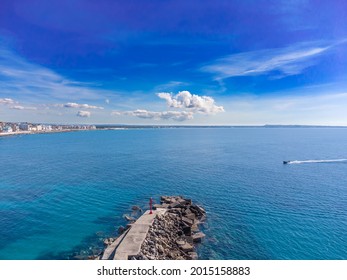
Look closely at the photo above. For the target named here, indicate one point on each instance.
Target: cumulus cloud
(185, 103)
(6, 101)
(19, 107)
(83, 114)
(184, 99)
(166, 115)
(80, 106)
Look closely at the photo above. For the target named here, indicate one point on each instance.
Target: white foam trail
(316, 161)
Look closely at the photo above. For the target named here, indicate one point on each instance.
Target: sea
(61, 194)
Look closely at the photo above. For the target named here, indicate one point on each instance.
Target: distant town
(12, 128)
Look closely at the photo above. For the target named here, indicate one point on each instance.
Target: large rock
(128, 218)
(121, 229)
(188, 222)
(175, 205)
(187, 230)
(193, 255)
(187, 248)
(191, 216)
(195, 227)
(160, 249)
(136, 208)
(198, 237)
(180, 242)
(158, 206)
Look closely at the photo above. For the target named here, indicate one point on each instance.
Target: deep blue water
(61, 194)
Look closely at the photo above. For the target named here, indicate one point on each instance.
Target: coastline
(5, 134)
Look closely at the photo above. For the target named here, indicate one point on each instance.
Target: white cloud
(107, 101)
(196, 103)
(166, 115)
(83, 114)
(6, 101)
(187, 104)
(19, 107)
(81, 106)
(285, 61)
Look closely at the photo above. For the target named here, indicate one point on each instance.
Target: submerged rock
(128, 218)
(136, 208)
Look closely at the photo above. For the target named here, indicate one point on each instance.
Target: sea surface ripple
(61, 194)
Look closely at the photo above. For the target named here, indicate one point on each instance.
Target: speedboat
(286, 161)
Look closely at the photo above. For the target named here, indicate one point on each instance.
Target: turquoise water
(61, 194)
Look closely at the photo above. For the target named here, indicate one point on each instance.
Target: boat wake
(315, 161)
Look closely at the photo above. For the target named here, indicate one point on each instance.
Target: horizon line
(183, 125)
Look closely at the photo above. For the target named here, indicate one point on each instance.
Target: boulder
(174, 205)
(193, 255)
(187, 221)
(187, 230)
(160, 249)
(157, 206)
(121, 229)
(195, 227)
(136, 208)
(198, 237)
(191, 216)
(200, 209)
(189, 239)
(128, 218)
(186, 247)
(180, 242)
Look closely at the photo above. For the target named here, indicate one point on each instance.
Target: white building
(7, 129)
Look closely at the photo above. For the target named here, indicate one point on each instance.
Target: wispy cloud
(6, 101)
(193, 102)
(172, 85)
(285, 61)
(83, 114)
(19, 107)
(80, 106)
(166, 115)
(27, 80)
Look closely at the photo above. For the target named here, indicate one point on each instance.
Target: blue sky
(174, 62)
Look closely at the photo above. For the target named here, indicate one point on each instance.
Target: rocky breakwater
(174, 233)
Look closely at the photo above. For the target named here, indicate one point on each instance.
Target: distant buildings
(7, 129)
(24, 126)
(12, 128)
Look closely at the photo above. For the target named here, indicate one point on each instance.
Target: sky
(197, 62)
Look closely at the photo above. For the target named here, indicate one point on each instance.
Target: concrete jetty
(170, 232)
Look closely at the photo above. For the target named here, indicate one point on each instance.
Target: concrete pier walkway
(130, 242)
